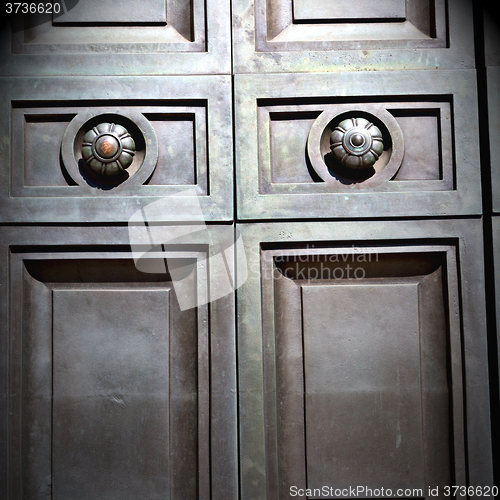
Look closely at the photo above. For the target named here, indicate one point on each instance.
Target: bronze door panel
(429, 164)
(102, 38)
(356, 352)
(359, 338)
(303, 36)
(183, 141)
(114, 389)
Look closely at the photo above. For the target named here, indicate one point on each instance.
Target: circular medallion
(108, 149)
(355, 147)
(356, 143)
(103, 151)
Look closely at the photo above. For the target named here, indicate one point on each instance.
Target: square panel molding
(172, 137)
(420, 151)
(102, 38)
(338, 35)
(363, 356)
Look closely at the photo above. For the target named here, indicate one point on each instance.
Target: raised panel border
(465, 236)
(457, 87)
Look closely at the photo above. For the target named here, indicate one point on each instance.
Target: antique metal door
(242, 250)
(112, 388)
(361, 328)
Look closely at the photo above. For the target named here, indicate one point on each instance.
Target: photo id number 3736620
(32, 8)
(470, 491)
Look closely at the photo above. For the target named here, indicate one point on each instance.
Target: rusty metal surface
(343, 393)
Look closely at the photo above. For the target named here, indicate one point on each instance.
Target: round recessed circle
(355, 147)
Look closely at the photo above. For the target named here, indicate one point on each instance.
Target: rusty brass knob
(108, 149)
(356, 143)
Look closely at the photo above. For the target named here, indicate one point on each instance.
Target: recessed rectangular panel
(288, 136)
(493, 74)
(495, 222)
(362, 385)
(110, 394)
(423, 147)
(347, 9)
(360, 363)
(291, 151)
(80, 28)
(109, 11)
(302, 25)
(42, 142)
(176, 150)
(180, 134)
